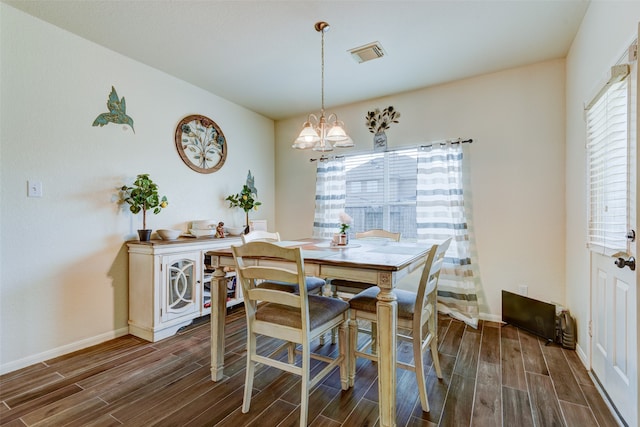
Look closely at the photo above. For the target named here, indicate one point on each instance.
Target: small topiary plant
(143, 196)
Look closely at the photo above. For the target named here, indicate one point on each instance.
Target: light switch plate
(34, 188)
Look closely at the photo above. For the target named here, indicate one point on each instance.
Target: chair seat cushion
(321, 310)
(367, 299)
(313, 284)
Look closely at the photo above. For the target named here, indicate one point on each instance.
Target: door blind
(608, 170)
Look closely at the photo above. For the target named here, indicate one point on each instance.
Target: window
(608, 167)
(381, 191)
(417, 192)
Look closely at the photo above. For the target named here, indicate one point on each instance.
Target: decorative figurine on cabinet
(220, 230)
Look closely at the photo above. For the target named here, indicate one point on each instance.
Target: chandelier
(324, 133)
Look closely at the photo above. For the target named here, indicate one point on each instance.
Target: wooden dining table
(379, 262)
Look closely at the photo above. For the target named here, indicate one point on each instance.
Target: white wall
(63, 262)
(516, 162)
(607, 29)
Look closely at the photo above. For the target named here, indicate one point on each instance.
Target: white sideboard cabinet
(169, 285)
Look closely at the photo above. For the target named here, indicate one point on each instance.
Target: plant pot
(343, 239)
(144, 235)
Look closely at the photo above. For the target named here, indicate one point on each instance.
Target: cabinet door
(180, 285)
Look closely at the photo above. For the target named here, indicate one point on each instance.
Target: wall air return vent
(367, 52)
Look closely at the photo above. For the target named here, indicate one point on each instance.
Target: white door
(614, 303)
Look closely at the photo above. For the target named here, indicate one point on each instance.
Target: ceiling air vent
(367, 52)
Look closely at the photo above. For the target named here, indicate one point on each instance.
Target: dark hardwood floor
(493, 376)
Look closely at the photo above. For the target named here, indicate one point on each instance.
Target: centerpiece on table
(142, 196)
(345, 223)
(245, 200)
(378, 121)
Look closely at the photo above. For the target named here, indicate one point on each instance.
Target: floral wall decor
(201, 143)
(378, 121)
(117, 112)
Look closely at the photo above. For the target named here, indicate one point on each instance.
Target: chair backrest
(257, 262)
(426, 298)
(261, 236)
(378, 233)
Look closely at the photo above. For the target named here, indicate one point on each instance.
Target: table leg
(218, 313)
(387, 324)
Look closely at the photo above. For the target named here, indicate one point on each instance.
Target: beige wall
(516, 164)
(607, 30)
(63, 265)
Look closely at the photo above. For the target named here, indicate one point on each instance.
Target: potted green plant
(246, 200)
(142, 196)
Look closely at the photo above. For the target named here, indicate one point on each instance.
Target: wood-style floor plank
(578, 369)
(487, 406)
(516, 408)
(467, 364)
(544, 404)
(322, 421)
(131, 382)
(364, 414)
(437, 391)
(577, 415)
(598, 406)
(450, 342)
(490, 344)
(489, 373)
(532, 354)
(512, 362)
(458, 407)
(565, 382)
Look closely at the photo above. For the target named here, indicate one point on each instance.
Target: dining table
(379, 262)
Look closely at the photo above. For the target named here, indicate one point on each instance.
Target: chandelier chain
(322, 133)
(322, 73)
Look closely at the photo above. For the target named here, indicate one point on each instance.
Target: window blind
(608, 170)
(381, 191)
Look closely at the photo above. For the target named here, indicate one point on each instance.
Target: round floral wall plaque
(201, 143)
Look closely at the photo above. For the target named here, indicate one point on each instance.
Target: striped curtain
(440, 214)
(331, 194)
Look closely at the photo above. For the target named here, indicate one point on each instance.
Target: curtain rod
(324, 158)
(456, 141)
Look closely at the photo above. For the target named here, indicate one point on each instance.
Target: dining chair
(350, 287)
(261, 235)
(315, 285)
(292, 318)
(378, 233)
(417, 311)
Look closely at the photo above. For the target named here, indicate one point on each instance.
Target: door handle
(622, 263)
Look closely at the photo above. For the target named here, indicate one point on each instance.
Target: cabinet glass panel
(181, 285)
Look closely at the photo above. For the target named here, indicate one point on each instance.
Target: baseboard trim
(62, 350)
(583, 357)
(490, 317)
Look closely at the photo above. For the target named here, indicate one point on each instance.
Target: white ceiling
(265, 55)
